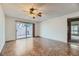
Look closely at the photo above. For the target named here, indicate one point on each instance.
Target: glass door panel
(29, 30)
(21, 30)
(24, 30)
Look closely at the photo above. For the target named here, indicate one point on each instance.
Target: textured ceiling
(49, 10)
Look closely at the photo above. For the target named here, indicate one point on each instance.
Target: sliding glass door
(24, 30)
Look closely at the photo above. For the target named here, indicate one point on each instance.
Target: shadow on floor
(1, 54)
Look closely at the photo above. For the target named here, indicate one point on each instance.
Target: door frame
(33, 29)
(69, 20)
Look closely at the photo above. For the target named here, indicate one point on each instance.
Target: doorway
(24, 30)
(73, 31)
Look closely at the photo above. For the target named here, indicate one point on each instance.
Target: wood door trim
(33, 30)
(69, 30)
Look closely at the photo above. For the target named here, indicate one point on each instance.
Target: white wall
(11, 29)
(56, 28)
(37, 29)
(2, 28)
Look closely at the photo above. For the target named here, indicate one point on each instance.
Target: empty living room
(39, 29)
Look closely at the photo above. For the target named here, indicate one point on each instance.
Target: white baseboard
(1, 47)
(54, 39)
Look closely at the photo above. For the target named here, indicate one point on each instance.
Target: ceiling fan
(34, 14)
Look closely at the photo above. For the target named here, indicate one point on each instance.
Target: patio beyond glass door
(23, 30)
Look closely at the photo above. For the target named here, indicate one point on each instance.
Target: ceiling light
(34, 12)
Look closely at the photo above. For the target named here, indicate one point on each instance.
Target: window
(75, 29)
(23, 30)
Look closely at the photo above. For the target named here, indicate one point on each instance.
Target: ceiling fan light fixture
(34, 12)
(33, 17)
(39, 14)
